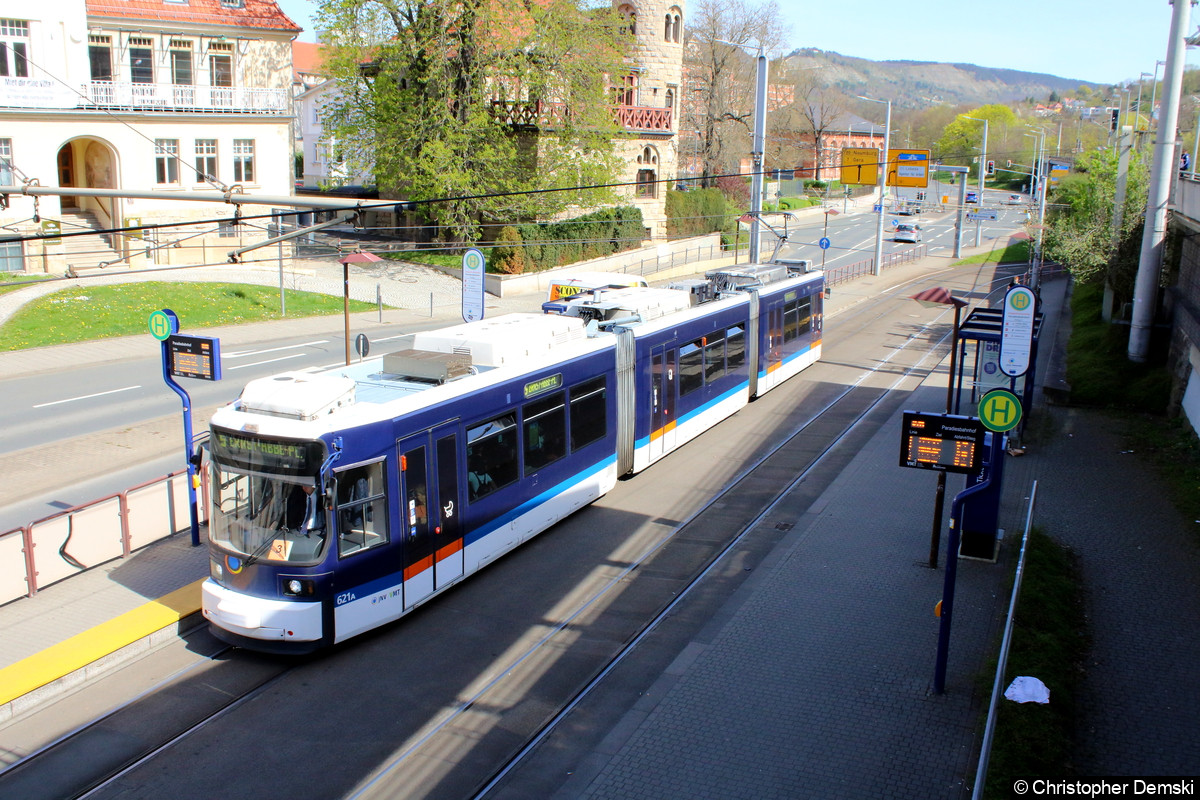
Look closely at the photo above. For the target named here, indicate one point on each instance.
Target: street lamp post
(1154, 88)
(982, 167)
(882, 180)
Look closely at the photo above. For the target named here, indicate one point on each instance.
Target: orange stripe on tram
(413, 570)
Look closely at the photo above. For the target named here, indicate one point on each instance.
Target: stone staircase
(86, 252)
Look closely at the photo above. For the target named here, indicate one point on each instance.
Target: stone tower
(649, 105)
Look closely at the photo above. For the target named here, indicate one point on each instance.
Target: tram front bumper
(259, 617)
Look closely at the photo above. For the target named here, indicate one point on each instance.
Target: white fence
(75, 540)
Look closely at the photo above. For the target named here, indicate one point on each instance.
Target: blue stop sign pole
(163, 325)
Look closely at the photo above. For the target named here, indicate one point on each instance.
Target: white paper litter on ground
(1025, 689)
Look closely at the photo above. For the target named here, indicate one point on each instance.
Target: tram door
(662, 401)
(774, 341)
(447, 510)
(414, 519)
(430, 513)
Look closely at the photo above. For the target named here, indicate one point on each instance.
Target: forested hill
(923, 83)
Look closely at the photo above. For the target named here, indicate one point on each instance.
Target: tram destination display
(946, 442)
(259, 453)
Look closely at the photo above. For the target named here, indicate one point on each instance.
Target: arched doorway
(90, 163)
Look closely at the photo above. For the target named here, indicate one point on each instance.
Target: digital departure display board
(945, 442)
(194, 357)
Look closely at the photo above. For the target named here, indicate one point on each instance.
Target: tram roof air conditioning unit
(424, 365)
(298, 395)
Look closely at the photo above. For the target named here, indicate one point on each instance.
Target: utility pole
(882, 180)
(756, 154)
(1162, 172)
(982, 168)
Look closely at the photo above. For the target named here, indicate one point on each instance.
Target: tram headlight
(215, 570)
(297, 587)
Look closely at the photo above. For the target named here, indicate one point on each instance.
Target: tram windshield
(272, 518)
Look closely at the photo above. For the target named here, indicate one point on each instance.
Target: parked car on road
(907, 233)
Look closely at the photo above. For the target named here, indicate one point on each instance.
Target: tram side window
(545, 431)
(691, 368)
(362, 508)
(491, 455)
(589, 417)
(791, 321)
(714, 356)
(804, 309)
(735, 348)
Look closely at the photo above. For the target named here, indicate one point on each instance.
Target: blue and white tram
(343, 499)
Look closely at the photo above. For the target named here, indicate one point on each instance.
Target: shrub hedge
(553, 244)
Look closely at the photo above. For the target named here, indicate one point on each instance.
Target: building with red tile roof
(177, 96)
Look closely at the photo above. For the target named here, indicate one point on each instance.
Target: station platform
(814, 680)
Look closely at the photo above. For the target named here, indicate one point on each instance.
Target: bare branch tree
(720, 74)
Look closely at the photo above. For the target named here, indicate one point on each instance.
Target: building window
(14, 48)
(6, 162)
(181, 62)
(206, 160)
(629, 16)
(166, 161)
(645, 183)
(243, 160)
(100, 57)
(674, 24)
(220, 64)
(141, 60)
(11, 257)
(626, 93)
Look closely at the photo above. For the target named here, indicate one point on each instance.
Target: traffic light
(1116, 117)
(991, 167)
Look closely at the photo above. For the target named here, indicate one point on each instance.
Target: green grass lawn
(100, 312)
(1015, 253)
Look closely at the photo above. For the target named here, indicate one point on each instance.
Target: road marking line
(87, 396)
(268, 361)
(241, 353)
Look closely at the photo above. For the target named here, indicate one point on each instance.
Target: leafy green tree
(1079, 229)
(962, 138)
(456, 100)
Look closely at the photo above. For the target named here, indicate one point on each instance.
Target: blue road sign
(824, 243)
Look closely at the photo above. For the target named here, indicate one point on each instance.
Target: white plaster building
(181, 96)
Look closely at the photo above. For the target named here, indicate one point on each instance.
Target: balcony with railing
(131, 96)
(549, 115)
(176, 97)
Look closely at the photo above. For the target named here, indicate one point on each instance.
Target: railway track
(456, 716)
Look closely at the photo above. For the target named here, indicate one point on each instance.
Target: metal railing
(989, 730)
(53, 549)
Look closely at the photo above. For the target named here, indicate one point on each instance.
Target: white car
(1012, 200)
(907, 233)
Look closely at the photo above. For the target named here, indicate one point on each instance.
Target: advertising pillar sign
(1016, 335)
(472, 285)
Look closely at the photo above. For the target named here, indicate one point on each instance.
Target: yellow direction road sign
(860, 166)
(1000, 410)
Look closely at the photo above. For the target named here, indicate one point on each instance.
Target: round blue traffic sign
(824, 243)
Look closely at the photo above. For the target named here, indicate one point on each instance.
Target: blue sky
(1100, 41)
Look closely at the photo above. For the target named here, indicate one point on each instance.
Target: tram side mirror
(828, 292)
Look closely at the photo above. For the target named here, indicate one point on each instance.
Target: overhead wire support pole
(884, 163)
(756, 153)
(982, 172)
(1162, 172)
